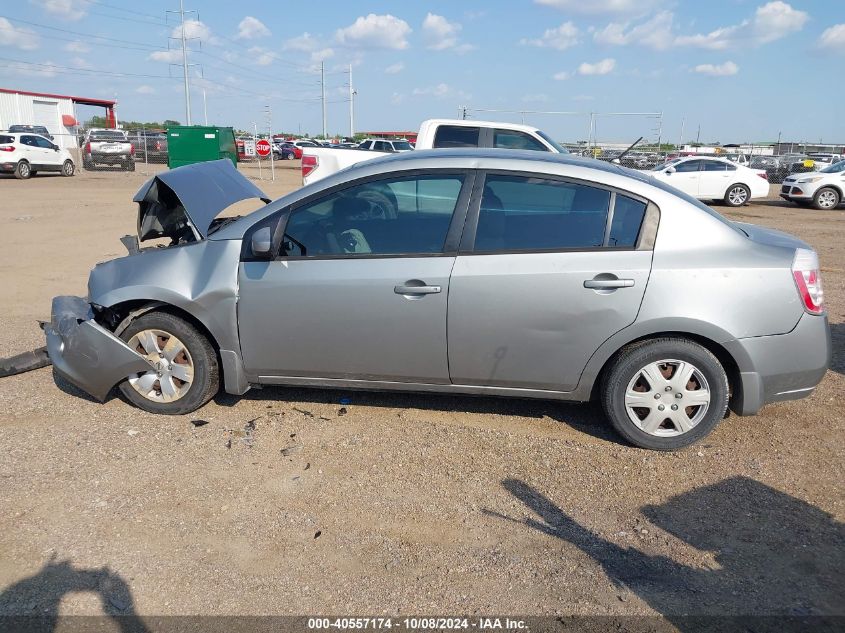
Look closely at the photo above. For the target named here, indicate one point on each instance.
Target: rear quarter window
(456, 136)
(6, 140)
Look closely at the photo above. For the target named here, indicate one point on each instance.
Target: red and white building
(55, 112)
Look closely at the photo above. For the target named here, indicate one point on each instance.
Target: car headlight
(816, 179)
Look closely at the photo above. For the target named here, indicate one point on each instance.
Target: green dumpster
(188, 144)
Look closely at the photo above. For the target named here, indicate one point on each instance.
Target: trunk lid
(770, 237)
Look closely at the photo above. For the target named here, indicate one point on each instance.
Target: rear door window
(714, 165)
(513, 139)
(456, 136)
(524, 213)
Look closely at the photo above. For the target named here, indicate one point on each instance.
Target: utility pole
(185, 64)
(659, 131)
(204, 107)
(352, 94)
(681, 139)
(698, 135)
(323, 94)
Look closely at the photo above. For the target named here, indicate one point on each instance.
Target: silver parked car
(474, 271)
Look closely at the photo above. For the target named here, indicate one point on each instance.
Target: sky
(717, 70)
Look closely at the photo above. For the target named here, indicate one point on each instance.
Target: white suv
(27, 154)
(823, 189)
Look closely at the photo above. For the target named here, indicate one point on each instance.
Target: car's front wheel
(183, 373)
(67, 168)
(826, 198)
(737, 195)
(666, 393)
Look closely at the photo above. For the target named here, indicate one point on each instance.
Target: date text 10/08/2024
(418, 623)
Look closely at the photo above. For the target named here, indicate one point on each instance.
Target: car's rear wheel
(826, 198)
(129, 165)
(184, 373)
(665, 393)
(23, 170)
(737, 195)
(67, 168)
(289, 156)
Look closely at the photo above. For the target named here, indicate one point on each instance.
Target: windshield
(835, 168)
(560, 148)
(402, 146)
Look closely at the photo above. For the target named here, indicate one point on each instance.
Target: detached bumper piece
(85, 353)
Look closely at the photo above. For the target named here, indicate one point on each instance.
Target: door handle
(416, 290)
(604, 284)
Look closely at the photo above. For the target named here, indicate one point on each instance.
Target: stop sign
(262, 147)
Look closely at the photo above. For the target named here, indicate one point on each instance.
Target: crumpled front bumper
(84, 352)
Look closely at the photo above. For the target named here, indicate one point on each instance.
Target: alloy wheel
(738, 196)
(667, 398)
(172, 371)
(827, 199)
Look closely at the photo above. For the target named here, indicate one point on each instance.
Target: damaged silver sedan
(485, 272)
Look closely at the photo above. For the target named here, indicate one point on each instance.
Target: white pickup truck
(319, 162)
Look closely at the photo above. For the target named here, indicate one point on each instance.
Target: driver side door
(358, 289)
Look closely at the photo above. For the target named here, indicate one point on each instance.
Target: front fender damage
(84, 352)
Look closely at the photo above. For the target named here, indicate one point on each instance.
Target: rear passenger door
(715, 177)
(548, 270)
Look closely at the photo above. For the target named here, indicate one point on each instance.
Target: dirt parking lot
(395, 503)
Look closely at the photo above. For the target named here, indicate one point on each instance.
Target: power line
(91, 35)
(72, 70)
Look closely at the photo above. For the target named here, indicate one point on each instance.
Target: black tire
(289, 156)
(627, 366)
(68, 168)
(206, 375)
(87, 164)
(129, 165)
(731, 200)
(830, 194)
(23, 170)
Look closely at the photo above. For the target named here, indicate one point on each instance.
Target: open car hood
(183, 202)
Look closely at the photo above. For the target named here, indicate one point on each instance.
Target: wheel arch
(707, 335)
(118, 316)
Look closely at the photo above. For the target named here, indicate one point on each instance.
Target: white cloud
(171, 56)
(440, 34)
(303, 42)
(654, 33)
(583, 98)
(145, 90)
(262, 56)
(375, 31)
(64, 9)
(563, 75)
(79, 62)
(395, 68)
(722, 70)
(195, 29)
(603, 67)
(833, 38)
(251, 28)
(440, 90)
(396, 98)
(561, 38)
(770, 22)
(775, 20)
(77, 46)
(619, 7)
(10, 35)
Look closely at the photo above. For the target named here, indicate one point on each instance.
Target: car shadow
(32, 604)
(837, 338)
(773, 555)
(585, 417)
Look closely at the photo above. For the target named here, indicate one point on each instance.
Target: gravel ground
(285, 501)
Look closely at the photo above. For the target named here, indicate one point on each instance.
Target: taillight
(764, 176)
(131, 149)
(158, 146)
(808, 280)
(309, 164)
(7, 148)
(87, 148)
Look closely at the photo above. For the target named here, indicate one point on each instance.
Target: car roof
(477, 123)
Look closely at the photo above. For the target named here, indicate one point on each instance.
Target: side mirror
(55, 148)
(670, 170)
(262, 243)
